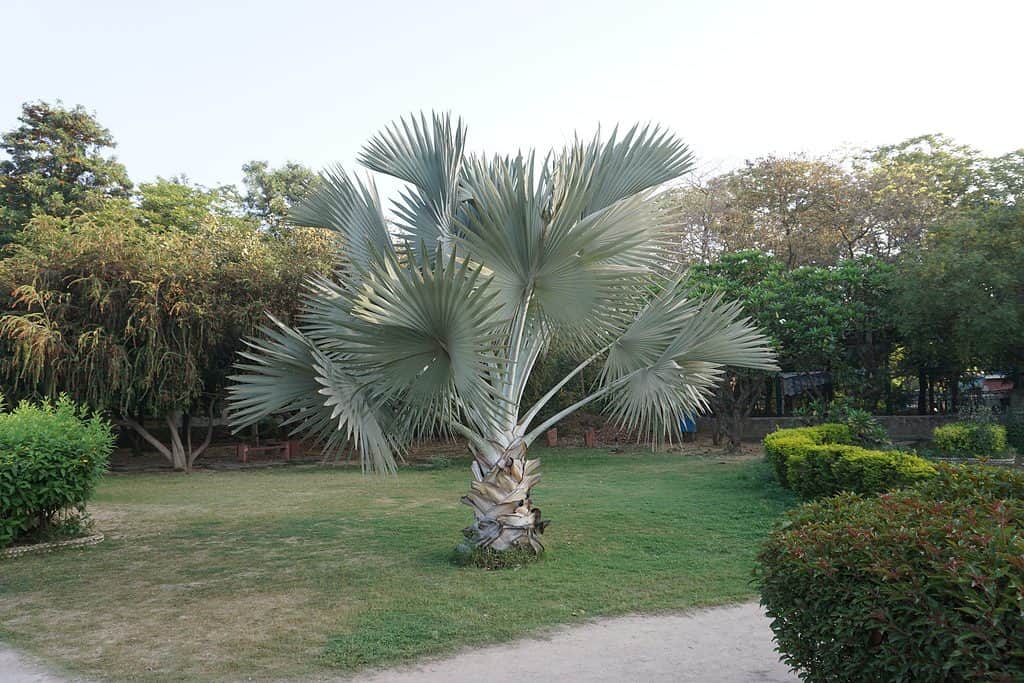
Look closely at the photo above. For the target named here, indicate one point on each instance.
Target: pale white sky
(200, 87)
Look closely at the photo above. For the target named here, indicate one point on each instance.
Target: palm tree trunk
(505, 515)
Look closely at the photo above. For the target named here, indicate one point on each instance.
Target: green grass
(295, 572)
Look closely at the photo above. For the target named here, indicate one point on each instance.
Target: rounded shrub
(782, 444)
(922, 584)
(51, 457)
(820, 461)
(970, 439)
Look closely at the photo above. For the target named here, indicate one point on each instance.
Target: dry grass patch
(302, 572)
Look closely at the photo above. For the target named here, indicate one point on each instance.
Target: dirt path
(18, 668)
(720, 645)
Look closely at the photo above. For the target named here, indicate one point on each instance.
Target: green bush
(970, 439)
(821, 461)
(51, 458)
(923, 584)
(867, 431)
(781, 444)
(828, 469)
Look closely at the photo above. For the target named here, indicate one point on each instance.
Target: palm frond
(424, 335)
(576, 275)
(428, 155)
(352, 210)
(666, 364)
(283, 372)
(644, 158)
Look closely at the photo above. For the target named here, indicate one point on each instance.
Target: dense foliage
(822, 460)
(970, 439)
(961, 297)
(945, 219)
(923, 584)
(831, 319)
(58, 160)
(52, 455)
(134, 302)
(819, 211)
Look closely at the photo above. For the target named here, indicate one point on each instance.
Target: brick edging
(17, 551)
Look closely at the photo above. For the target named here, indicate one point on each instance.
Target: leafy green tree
(271, 192)
(927, 180)
(818, 211)
(178, 204)
(962, 297)
(438, 318)
(804, 211)
(58, 161)
(835, 319)
(140, 321)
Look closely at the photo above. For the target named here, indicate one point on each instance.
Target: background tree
(271, 192)
(140, 321)
(178, 204)
(817, 211)
(866, 287)
(804, 211)
(961, 299)
(58, 160)
(833, 319)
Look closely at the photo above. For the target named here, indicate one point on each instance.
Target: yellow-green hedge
(822, 461)
(970, 440)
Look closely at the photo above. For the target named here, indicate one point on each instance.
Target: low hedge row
(922, 584)
(970, 439)
(822, 461)
(51, 458)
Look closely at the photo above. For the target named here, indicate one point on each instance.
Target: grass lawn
(295, 572)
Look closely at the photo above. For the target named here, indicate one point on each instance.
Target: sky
(202, 87)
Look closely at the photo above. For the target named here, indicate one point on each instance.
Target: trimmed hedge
(782, 444)
(51, 458)
(922, 584)
(970, 439)
(822, 461)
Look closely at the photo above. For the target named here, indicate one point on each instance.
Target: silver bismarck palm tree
(439, 310)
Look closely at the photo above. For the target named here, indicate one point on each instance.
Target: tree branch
(550, 422)
(206, 442)
(484, 447)
(152, 440)
(543, 400)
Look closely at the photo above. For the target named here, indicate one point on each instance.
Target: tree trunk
(137, 439)
(922, 392)
(179, 461)
(180, 454)
(500, 498)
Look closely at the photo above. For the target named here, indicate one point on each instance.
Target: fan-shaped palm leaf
(667, 362)
(428, 155)
(425, 335)
(352, 210)
(286, 373)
